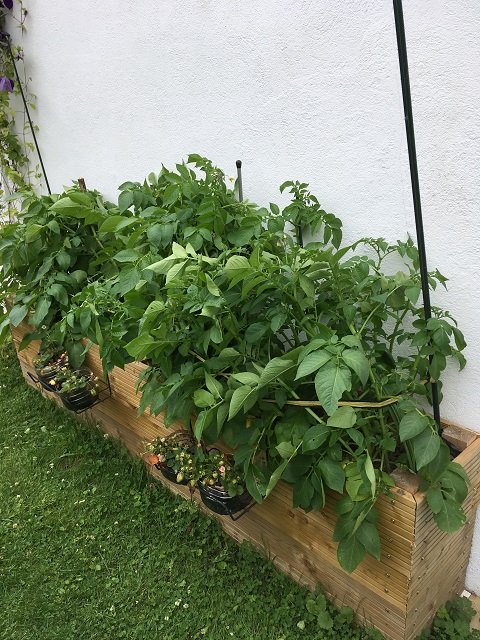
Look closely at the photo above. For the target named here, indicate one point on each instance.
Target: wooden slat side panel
(439, 559)
(438, 581)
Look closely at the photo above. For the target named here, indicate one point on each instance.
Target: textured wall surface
(304, 89)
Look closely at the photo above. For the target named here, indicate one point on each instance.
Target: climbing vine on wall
(16, 172)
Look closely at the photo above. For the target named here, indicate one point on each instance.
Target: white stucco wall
(304, 89)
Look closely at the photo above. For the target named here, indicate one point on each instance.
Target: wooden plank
(406, 480)
(458, 437)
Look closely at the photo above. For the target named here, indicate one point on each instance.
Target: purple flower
(8, 4)
(6, 84)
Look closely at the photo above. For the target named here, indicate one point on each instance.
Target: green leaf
(162, 266)
(303, 492)
(350, 553)
(174, 271)
(154, 308)
(331, 382)
(211, 286)
(32, 232)
(116, 223)
(215, 335)
(178, 251)
(425, 447)
(127, 281)
(252, 485)
(255, 331)
(455, 484)
(412, 424)
(200, 424)
(315, 437)
(451, 517)
(456, 468)
(76, 354)
(155, 234)
(367, 535)
(333, 474)
(228, 354)
(307, 285)
(370, 473)
(344, 506)
(342, 418)
(222, 413)
(274, 369)
(67, 207)
(213, 385)
(357, 361)
(277, 321)
(245, 377)
(241, 236)
(140, 347)
(125, 201)
(358, 437)
(170, 195)
(127, 255)
(238, 400)
(46, 266)
(41, 310)
(236, 265)
(275, 477)
(18, 314)
(459, 339)
(439, 465)
(435, 499)
(352, 341)
(59, 292)
(203, 398)
(79, 276)
(63, 260)
(285, 449)
(85, 319)
(413, 293)
(312, 362)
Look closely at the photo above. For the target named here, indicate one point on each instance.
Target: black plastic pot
(218, 500)
(45, 378)
(169, 473)
(80, 399)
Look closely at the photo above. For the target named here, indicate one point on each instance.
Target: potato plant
(313, 363)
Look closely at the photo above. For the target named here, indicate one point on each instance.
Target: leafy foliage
(16, 173)
(452, 622)
(309, 362)
(175, 452)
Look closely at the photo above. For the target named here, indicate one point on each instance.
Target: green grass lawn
(92, 548)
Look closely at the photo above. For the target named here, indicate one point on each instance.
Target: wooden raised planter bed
(420, 569)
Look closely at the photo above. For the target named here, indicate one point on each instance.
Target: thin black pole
(239, 180)
(299, 234)
(25, 104)
(412, 156)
